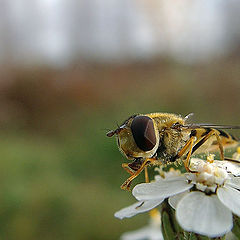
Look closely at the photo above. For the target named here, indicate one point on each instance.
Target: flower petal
(143, 233)
(138, 207)
(233, 182)
(173, 201)
(161, 188)
(202, 214)
(230, 197)
(230, 167)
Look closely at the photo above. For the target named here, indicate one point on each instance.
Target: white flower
(147, 205)
(152, 231)
(148, 232)
(138, 207)
(229, 166)
(204, 200)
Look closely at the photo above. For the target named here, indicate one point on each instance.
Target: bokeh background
(70, 70)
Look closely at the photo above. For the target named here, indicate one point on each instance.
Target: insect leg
(219, 144)
(188, 144)
(133, 166)
(127, 168)
(146, 175)
(205, 138)
(126, 184)
(186, 162)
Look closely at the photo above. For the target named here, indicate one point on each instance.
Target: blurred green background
(59, 173)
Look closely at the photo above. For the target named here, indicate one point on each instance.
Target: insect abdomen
(226, 139)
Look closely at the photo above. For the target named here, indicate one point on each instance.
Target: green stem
(236, 227)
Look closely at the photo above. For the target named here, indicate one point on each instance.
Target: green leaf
(236, 227)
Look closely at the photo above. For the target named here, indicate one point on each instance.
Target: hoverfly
(163, 138)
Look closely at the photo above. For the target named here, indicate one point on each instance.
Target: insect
(163, 138)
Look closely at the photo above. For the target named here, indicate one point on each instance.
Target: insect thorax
(171, 142)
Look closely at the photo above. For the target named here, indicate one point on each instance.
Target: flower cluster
(204, 199)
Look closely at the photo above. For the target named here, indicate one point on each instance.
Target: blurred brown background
(70, 70)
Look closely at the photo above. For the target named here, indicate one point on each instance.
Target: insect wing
(205, 125)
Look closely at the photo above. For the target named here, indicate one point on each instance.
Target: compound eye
(143, 132)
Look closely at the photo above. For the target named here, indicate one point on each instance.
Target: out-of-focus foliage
(70, 70)
(60, 174)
